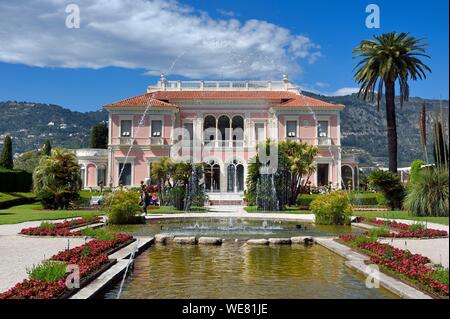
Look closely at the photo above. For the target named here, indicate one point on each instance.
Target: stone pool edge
(356, 261)
(109, 277)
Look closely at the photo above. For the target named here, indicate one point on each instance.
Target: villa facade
(216, 122)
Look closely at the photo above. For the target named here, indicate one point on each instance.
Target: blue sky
(122, 46)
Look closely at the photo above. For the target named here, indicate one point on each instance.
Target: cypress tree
(6, 159)
(99, 136)
(47, 149)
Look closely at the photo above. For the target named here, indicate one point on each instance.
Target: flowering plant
(89, 257)
(61, 229)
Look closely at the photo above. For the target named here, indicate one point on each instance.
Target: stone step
(226, 202)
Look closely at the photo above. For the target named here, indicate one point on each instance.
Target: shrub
(57, 179)
(122, 207)
(47, 226)
(416, 167)
(363, 199)
(376, 232)
(305, 200)
(428, 195)
(332, 209)
(48, 271)
(15, 181)
(389, 184)
(176, 197)
(100, 233)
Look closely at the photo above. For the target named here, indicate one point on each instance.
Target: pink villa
(219, 123)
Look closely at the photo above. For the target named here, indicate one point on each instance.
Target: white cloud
(345, 91)
(156, 35)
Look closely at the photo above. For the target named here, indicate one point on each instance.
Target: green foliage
(122, 207)
(356, 199)
(440, 146)
(47, 148)
(295, 167)
(28, 161)
(47, 226)
(15, 181)
(99, 136)
(97, 233)
(417, 226)
(416, 167)
(174, 178)
(6, 157)
(177, 195)
(389, 184)
(441, 274)
(332, 209)
(428, 195)
(57, 179)
(376, 232)
(48, 271)
(304, 200)
(387, 59)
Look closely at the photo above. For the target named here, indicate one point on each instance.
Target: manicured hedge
(356, 198)
(15, 181)
(304, 200)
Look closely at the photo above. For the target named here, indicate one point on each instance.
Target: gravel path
(19, 252)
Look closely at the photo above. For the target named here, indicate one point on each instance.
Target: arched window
(83, 176)
(212, 176)
(101, 175)
(235, 176)
(347, 177)
(238, 130)
(224, 130)
(209, 129)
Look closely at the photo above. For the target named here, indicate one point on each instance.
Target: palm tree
(57, 179)
(389, 58)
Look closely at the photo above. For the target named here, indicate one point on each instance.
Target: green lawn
(403, 215)
(379, 214)
(13, 195)
(288, 210)
(30, 212)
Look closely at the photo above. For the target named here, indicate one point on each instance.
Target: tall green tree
(6, 159)
(57, 179)
(99, 136)
(389, 59)
(47, 149)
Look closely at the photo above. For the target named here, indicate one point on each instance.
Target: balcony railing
(223, 86)
(318, 141)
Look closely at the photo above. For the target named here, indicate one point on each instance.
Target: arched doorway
(347, 177)
(212, 176)
(235, 176)
(209, 130)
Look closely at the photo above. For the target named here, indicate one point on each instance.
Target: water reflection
(235, 270)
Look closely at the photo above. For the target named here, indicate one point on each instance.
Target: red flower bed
(399, 261)
(406, 230)
(89, 257)
(35, 289)
(421, 233)
(61, 229)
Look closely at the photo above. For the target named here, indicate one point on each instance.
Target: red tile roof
(141, 101)
(302, 100)
(278, 98)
